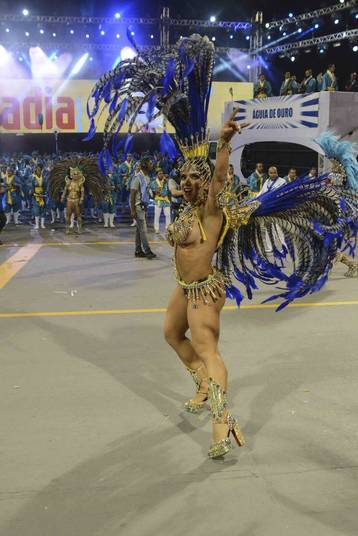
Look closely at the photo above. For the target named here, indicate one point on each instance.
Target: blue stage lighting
(117, 15)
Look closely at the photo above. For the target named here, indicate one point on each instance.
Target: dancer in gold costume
(216, 238)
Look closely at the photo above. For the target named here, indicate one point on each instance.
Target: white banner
(290, 112)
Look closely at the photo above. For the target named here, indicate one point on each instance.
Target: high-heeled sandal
(220, 415)
(193, 406)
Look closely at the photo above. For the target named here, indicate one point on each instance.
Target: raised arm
(230, 128)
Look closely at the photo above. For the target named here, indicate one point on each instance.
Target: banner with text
(61, 105)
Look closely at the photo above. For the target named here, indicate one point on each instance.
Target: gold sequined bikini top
(179, 231)
(235, 215)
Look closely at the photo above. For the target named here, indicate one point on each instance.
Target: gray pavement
(94, 441)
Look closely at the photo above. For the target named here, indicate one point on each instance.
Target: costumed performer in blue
(217, 239)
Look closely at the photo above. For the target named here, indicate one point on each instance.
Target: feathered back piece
(94, 180)
(175, 83)
(343, 158)
(304, 222)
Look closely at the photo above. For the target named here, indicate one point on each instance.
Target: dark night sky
(234, 10)
(223, 9)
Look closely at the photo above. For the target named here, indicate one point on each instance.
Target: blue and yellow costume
(38, 192)
(262, 89)
(12, 196)
(255, 181)
(309, 85)
(109, 202)
(329, 81)
(124, 172)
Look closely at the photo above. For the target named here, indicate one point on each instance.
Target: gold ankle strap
(218, 401)
(194, 374)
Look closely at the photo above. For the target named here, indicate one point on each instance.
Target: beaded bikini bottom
(206, 290)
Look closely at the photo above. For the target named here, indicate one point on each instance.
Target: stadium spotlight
(341, 1)
(336, 21)
(25, 12)
(355, 48)
(213, 38)
(103, 32)
(42, 31)
(76, 69)
(269, 37)
(316, 25)
(299, 30)
(247, 38)
(27, 34)
(117, 15)
(212, 18)
(87, 36)
(54, 34)
(7, 30)
(118, 36)
(151, 36)
(267, 25)
(290, 14)
(72, 32)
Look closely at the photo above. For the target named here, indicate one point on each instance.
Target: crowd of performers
(310, 83)
(24, 190)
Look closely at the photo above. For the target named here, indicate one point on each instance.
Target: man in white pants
(160, 190)
(273, 182)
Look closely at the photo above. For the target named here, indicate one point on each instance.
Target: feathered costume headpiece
(313, 216)
(94, 181)
(175, 83)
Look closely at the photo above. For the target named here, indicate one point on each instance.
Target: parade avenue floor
(94, 438)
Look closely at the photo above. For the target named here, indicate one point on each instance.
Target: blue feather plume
(344, 152)
(167, 145)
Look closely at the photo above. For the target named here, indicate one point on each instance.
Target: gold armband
(222, 144)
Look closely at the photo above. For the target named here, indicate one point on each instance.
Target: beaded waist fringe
(213, 287)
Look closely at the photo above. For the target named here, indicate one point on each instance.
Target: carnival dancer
(329, 80)
(109, 201)
(257, 179)
(177, 83)
(160, 191)
(12, 197)
(70, 176)
(262, 88)
(38, 189)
